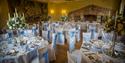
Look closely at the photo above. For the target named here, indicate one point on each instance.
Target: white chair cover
(60, 38)
(95, 35)
(43, 55)
(74, 56)
(86, 37)
(45, 34)
(91, 27)
(34, 31)
(51, 53)
(83, 26)
(78, 35)
(32, 56)
(72, 40)
(107, 37)
(3, 37)
(54, 40)
(36, 60)
(70, 59)
(67, 36)
(28, 32)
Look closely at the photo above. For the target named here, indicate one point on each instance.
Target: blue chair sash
(92, 34)
(45, 55)
(72, 41)
(45, 27)
(32, 55)
(48, 35)
(60, 38)
(54, 38)
(72, 34)
(87, 37)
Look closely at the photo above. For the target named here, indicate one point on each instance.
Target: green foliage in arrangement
(64, 18)
(16, 22)
(119, 27)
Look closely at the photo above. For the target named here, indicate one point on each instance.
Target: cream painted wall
(3, 13)
(71, 6)
(57, 7)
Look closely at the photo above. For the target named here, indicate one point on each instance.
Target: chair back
(43, 55)
(86, 37)
(70, 59)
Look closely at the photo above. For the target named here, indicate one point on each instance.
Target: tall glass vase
(113, 44)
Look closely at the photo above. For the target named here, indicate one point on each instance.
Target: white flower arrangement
(16, 22)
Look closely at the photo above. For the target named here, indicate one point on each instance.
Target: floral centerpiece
(109, 25)
(16, 22)
(119, 27)
(64, 18)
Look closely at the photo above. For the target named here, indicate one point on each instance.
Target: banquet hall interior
(62, 31)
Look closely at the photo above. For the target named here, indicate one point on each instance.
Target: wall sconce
(64, 12)
(52, 11)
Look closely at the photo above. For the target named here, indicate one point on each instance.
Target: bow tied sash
(32, 55)
(72, 40)
(54, 38)
(48, 35)
(60, 37)
(45, 55)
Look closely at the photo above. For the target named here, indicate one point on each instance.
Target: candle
(23, 15)
(116, 15)
(9, 16)
(121, 7)
(109, 13)
(16, 14)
